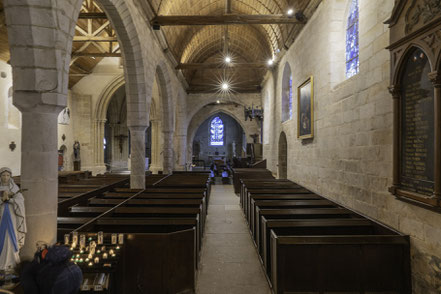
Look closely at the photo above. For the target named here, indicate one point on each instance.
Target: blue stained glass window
(352, 58)
(290, 97)
(216, 132)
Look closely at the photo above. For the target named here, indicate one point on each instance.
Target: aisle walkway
(229, 262)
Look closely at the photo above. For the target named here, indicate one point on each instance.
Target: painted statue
(12, 221)
(76, 150)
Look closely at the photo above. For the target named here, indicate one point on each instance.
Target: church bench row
(135, 213)
(243, 173)
(82, 186)
(283, 223)
(70, 198)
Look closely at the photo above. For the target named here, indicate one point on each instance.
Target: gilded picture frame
(305, 109)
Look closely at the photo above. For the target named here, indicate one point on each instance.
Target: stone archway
(100, 121)
(166, 108)
(282, 170)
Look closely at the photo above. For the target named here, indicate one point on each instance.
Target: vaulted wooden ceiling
(264, 31)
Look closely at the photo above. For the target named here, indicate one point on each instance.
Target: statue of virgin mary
(12, 221)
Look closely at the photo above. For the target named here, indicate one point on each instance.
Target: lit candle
(120, 238)
(87, 260)
(75, 238)
(100, 237)
(90, 256)
(96, 260)
(111, 252)
(90, 263)
(117, 247)
(105, 255)
(82, 241)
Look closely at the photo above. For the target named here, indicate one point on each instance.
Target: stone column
(154, 165)
(99, 144)
(39, 174)
(181, 151)
(168, 152)
(435, 77)
(137, 143)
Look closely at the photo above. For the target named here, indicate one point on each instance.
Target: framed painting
(305, 109)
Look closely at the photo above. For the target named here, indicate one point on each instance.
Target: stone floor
(229, 263)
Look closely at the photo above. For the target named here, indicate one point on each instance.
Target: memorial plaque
(417, 126)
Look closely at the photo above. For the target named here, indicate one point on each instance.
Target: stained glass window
(216, 132)
(352, 60)
(290, 97)
(286, 93)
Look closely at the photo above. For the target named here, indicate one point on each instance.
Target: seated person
(52, 272)
(225, 176)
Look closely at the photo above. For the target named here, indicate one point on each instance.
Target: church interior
(222, 146)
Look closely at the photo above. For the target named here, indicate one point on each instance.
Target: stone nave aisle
(229, 262)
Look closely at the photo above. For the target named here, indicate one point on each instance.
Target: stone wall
(350, 158)
(10, 122)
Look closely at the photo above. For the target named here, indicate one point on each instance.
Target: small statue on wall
(76, 148)
(77, 156)
(12, 221)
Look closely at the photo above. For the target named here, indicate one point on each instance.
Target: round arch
(400, 64)
(166, 97)
(204, 113)
(282, 170)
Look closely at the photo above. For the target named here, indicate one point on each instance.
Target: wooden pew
(264, 183)
(141, 212)
(82, 198)
(286, 204)
(305, 227)
(340, 263)
(298, 213)
(258, 196)
(154, 263)
(243, 173)
(272, 190)
(146, 202)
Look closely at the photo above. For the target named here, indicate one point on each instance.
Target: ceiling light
(228, 59)
(225, 86)
(290, 11)
(270, 62)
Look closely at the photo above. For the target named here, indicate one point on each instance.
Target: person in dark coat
(52, 272)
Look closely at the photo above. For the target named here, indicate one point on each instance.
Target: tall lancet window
(352, 60)
(290, 97)
(216, 132)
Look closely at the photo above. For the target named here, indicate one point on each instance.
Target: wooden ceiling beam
(226, 19)
(92, 15)
(94, 39)
(101, 54)
(221, 65)
(195, 90)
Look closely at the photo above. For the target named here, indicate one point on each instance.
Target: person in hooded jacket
(52, 272)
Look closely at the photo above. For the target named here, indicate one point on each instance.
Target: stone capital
(395, 91)
(30, 101)
(435, 78)
(137, 128)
